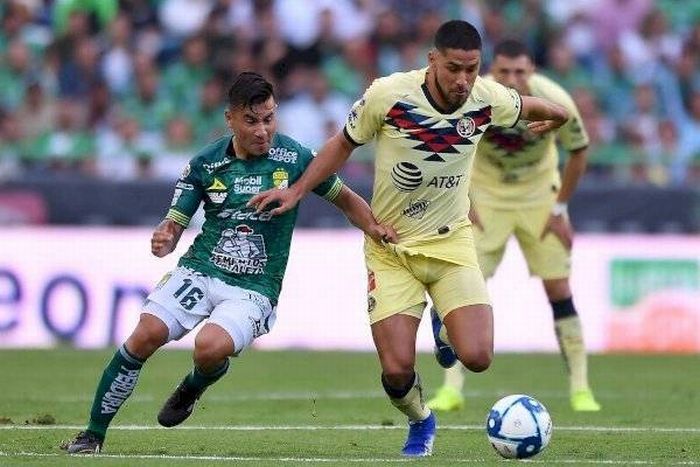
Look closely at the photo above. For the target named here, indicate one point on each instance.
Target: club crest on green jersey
(280, 178)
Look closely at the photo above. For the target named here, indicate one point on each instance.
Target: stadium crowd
(129, 89)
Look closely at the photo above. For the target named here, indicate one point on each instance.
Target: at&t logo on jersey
(446, 181)
(406, 176)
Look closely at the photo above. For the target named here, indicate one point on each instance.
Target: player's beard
(453, 101)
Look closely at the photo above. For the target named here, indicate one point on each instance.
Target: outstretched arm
(165, 237)
(330, 158)
(360, 215)
(544, 115)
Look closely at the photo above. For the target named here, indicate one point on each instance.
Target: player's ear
(432, 56)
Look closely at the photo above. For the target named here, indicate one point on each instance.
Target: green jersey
(238, 245)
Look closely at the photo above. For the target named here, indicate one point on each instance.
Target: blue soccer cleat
(444, 354)
(421, 435)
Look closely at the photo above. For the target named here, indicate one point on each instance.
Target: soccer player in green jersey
(426, 124)
(517, 191)
(232, 274)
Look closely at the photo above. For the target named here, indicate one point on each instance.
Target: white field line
(573, 428)
(300, 395)
(333, 459)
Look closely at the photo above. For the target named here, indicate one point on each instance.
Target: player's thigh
(395, 340)
(392, 288)
(245, 315)
(491, 239)
(546, 257)
(181, 300)
(470, 331)
(457, 286)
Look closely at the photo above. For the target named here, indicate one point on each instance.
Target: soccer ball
(518, 426)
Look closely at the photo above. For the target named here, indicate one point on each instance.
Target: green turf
(650, 414)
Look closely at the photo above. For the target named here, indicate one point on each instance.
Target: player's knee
(477, 361)
(397, 372)
(209, 353)
(148, 336)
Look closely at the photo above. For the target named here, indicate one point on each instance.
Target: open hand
(543, 126)
(561, 228)
(286, 198)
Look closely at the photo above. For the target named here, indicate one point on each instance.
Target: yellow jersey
(424, 157)
(516, 169)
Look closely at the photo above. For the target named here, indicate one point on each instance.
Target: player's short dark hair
(457, 34)
(248, 89)
(511, 48)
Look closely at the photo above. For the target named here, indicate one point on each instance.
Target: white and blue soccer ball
(518, 426)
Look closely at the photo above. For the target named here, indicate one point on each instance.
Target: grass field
(305, 408)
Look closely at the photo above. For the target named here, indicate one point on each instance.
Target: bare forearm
(537, 109)
(329, 160)
(573, 171)
(355, 209)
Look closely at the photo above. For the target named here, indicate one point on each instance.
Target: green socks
(198, 381)
(117, 384)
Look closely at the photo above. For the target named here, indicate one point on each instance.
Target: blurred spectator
(208, 118)
(80, 72)
(315, 113)
(100, 12)
(183, 18)
(647, 47)
(117, 62)
(663, 153)
(563, 68)
(124, 152)
(642, 124)
(184, 79)
(147, 103)
(351, 71)
(68, 146)
(37, 112)
(16, 75)
(12, 146)
(688, 155)
(177, 147)
(612, 18)
(613, 84)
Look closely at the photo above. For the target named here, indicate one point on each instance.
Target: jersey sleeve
(330, 187)
(506, 104)
(187, 196)
(366, 116)
(572, 135)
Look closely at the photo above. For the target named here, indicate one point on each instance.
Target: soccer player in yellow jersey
(517, 191)
(426, 124)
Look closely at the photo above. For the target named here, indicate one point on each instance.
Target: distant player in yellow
(426, 124)
(517, 191)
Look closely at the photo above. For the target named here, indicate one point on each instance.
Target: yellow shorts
(547, 259)
(398, 282)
